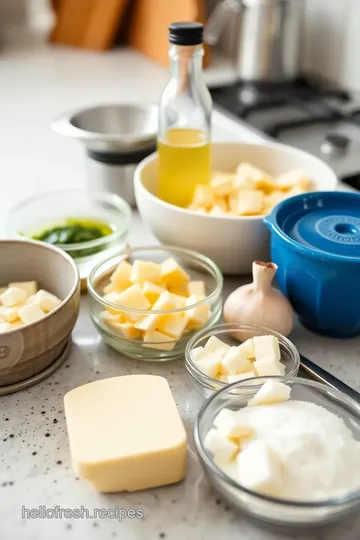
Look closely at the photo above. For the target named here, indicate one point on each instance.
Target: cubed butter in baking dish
(125, 433)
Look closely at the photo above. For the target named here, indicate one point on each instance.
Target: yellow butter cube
(173, 325)
(158, 340)
(30, 287)
(165, 301)
(152, 291)
(8, 314)
(181, 290)
(121, 277)
(197, 316)
(180, 301)
(126, 330)
(148, 323)
(172, 273)
(246, 170)
(145, 271)
(133, 297)
(197, 287)
(203, 197)
(109, 317)
(222, 183)
(293, 178)
(250, 203)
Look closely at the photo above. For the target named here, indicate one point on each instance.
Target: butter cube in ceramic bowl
(214, 359)
(39, 306)
(147, 302)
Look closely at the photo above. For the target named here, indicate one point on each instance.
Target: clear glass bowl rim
(104, 196)
(207, 381)
(212, 297)
(351, 496)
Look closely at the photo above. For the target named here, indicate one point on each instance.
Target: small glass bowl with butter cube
(147, 302)
(234, 352)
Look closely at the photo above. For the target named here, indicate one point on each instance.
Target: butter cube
(144, 448)
(31, 313)
(266, 347)
(158, 340)
(152, 291)
(148, 323)
(246, 170)
(125, 329)
(173, 325)
(217, 211)
(109, 317)
(250, 203)
(242, 182)
(269, 366)
(109, 288)
(30, 287)
(13, 296)
(4, 327)
(222, 448)
(248, 349)
(165, 301)
(197, 316)
(222, 203)
(197, 353)
(203, 197)
(47, 301)
(231, 425)
(240, 377)
(259, 469)
(270, 392)
(210, 365)
(121, 277)
(214, 343)
(145, 271)
(9, 314)
(234, 362)
(222, 183)
(133, 297)
(180, 301)
(292, 178)
(180, 290)
(172, 273)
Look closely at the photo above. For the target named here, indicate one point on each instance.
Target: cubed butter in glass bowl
(214, 358)
(147, 302)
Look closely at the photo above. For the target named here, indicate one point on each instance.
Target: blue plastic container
(315, 242)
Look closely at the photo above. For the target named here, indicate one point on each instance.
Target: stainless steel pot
(269, 37)
(116, 139)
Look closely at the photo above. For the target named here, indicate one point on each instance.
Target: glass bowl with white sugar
(231, 352)
(286, 452)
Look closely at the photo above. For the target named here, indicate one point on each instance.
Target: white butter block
(250, 203)
(214, 343)
(145, 271)
(240, 377)
(30, 313)
(152, 291)
(47, 301)
(133, 297)
(197, 287)
(119, 442)
(269, 366)
(172, 273)
(173, 325)
(222, 449)
(30, 287)
(210, 365)
(270, 392)
(259, 469)
(197, 353)
(231, 425)
(248, 349)
(13, 296)
(266, 347)
(234, 362)
(198, 316)
(158, 340)
(8, 314)
(121, 275)
(4, 327)
(222, 183)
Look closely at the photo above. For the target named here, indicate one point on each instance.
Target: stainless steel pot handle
(219, 18)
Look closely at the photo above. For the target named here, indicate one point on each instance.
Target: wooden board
(71, 21)
(150, 19)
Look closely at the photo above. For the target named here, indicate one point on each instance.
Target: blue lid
(323, 223)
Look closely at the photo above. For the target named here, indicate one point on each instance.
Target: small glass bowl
(38, 213)
(196, 265)
(270, 510)
(225, 332)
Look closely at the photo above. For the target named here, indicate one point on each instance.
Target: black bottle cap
(186, 33)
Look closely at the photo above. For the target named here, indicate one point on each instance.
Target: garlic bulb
(259, 303)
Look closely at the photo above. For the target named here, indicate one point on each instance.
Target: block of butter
(125, 433)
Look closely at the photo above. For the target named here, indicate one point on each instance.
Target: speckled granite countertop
(35, 465)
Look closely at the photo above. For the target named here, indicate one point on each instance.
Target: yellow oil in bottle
(184, 161)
